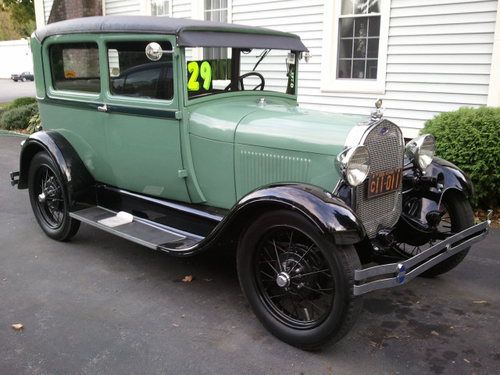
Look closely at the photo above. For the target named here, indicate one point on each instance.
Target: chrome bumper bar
(395, 274)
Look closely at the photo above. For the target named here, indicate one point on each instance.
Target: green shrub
(33, 123)
(470, 138)
(19, 102)
(18, 118)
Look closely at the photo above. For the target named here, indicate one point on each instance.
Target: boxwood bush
(17, 118)
(469, 138)
(19, 102)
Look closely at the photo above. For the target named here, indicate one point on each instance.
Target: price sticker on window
(199, 76)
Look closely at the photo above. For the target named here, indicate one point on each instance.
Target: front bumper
(395, 274)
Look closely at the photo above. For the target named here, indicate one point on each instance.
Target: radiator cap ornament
(377, 114)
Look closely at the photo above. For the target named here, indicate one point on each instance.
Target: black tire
(290, 320)
(462, 217)
(49, 198)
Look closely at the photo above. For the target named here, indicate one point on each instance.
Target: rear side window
(133, 74)
(75, 67)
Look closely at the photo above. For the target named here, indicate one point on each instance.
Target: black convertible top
(189, 32)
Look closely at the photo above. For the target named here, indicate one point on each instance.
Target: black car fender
(420, 199)
(449, 178)
(76, 177)
(329, 214)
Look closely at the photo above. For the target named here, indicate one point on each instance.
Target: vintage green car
(181, 135)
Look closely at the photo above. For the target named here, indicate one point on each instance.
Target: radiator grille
(386, 146)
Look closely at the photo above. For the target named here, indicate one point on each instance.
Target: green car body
(179, 149)
(211, 150)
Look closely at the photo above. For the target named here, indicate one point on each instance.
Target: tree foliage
(22, 15)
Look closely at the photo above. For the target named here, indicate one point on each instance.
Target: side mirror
(154, 51)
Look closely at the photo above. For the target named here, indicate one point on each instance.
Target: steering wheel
(249, 74)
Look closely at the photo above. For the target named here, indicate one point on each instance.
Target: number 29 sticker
(199, 76)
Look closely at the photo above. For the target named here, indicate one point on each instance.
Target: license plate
(380, 183)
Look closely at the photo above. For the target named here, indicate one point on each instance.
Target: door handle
(102, 108)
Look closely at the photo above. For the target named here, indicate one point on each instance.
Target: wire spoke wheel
(49, 194)
(446, 227)
(456, 215)
(49, 199)
(293, 277)
(298, 282)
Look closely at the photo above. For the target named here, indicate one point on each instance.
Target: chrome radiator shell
(386, 147)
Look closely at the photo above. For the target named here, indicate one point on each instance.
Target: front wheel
(457, 215)
(298, 283)
(49, 199)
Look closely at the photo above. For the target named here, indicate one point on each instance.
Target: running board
(141, 231)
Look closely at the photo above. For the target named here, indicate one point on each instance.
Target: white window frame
(329, 80)
(198, 13)
(198, 10)
(147, 8)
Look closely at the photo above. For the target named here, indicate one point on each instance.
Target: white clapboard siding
(47, 7)
(182, 8)
(122, 7)
(439, 55)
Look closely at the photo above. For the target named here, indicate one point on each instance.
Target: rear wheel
(299, 285)
(49, 199)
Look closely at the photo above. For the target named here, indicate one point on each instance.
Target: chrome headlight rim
(421, 150)
(354, 164)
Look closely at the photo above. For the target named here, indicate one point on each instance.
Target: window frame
(198, 13)
(329, 63)
(235, 73)
(111, 98)
(110, 94)
(149, 9)
(51, 91)
(198, 10)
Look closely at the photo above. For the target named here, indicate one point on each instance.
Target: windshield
(217, 70)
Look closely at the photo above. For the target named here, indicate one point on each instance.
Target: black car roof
(189, 32)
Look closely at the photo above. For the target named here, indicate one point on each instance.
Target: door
(143, 134)
(73, 92)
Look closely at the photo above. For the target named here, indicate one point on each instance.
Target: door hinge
(182, 173)
(178, 115)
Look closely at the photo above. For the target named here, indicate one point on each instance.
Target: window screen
(133, 74)
(75, 67)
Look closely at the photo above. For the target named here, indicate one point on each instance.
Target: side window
(75, 67)
(133, 74)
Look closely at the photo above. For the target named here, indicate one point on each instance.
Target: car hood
(274, 123)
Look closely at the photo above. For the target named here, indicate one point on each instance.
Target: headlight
(354, 163)
(422, 150)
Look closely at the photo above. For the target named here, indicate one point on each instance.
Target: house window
(358, 46)
(217, 11)
(160, 7)
(355, 46)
